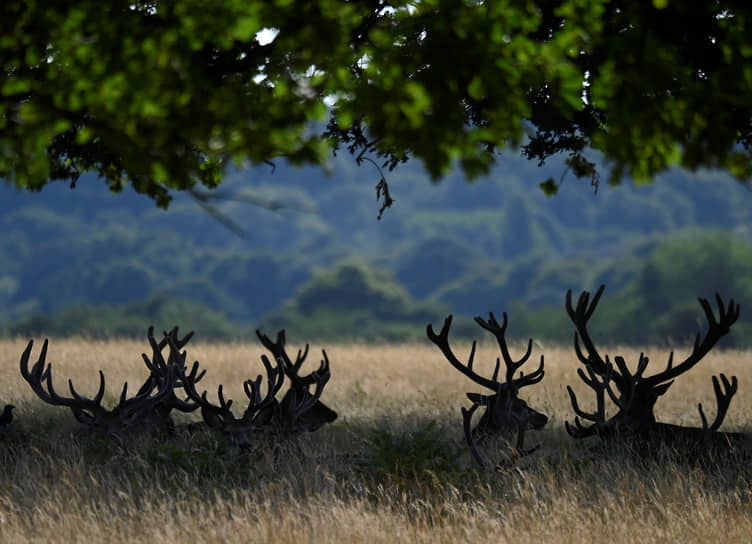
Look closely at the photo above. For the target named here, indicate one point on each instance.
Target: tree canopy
(169, 94)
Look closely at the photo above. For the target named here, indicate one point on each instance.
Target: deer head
(505, 413)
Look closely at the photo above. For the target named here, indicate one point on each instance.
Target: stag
(314, 413)
(300, 410)
(636, 394)
(505, 413)
(150, 406)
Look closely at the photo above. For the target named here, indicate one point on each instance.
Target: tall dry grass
(392, 468)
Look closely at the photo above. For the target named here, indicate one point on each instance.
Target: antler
(601, 385)
(303, 409)
(512, 366)
(258, 415)
(636, 395)
(90, 411)
(723, 399)
(171, 370)
(442, 341)
(580, 317)
(505, 412)
(727, 316)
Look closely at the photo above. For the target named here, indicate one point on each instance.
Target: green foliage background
(85, 261)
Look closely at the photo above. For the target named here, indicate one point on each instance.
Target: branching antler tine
(578, 350)
(157, 363)
(607, 386)
(595, 416)
(37, 374)
(50, 395)
(495, 376)
(467, 420)
(585, 307)
(200, 374)
(532, 377)
(670, 364)
(642, 364)
(156, 347)
(149, 365)
(499, 331)
(709, 314)
(225, 405)
(703, 418)
(274, 376)
(442, 342)
(180, 342)
(299, 358)
(512, 366)
(575, 404)
(97, 398)
(492, 325)
(582, 304)
(590, 382)
(471, 359)
(723, 400)
(594, 302)
(190, 380)
(124, 393)
(252, 390)
(599, 386)
(702, 345)
(568, 304)
(528, 352)
(580, 317)
(621, 364)
(301, 400)
(324, 367)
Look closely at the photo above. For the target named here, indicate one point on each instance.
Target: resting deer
(506, 414)
(635, 394)
(149, 407)
(300, 410)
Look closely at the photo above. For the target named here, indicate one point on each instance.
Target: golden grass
(392, 468)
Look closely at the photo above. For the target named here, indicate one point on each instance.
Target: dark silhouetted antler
(300, 410)
(128, 412)
(633, 393)
(505, 414)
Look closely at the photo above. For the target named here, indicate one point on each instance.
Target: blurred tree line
(87, 262)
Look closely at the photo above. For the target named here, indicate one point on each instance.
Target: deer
(635, 394)
(148, 408)
(300, 410)
(505, 413)
(315, 415)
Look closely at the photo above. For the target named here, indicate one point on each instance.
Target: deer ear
(661, 389)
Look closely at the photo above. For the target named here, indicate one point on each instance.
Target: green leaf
(549, 187)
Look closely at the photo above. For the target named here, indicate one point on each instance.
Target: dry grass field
(394, 467)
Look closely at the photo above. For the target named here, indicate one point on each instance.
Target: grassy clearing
(394, 467)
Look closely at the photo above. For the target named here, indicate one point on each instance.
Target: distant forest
(316, 260)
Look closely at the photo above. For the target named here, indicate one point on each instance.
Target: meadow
(394, 467)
